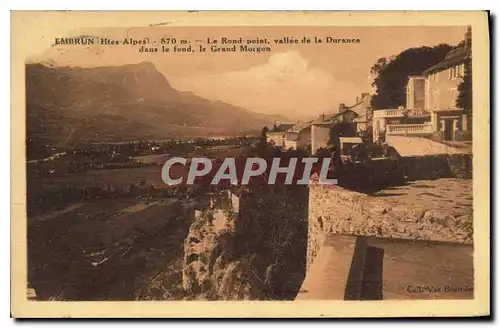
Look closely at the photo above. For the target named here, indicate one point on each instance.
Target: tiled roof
(282, 127)
(454, 57)
(328, 118)
(301, 126)
(360, 106)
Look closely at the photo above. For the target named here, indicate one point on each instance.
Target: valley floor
(106, 250)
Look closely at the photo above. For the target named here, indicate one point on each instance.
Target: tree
(263, 137)
(334, 140)
(391, 75)
(378, 66)
(366, 135)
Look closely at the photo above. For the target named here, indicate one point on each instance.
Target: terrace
(404, 121)
(389, 113)
(401, 112)
(409, 129)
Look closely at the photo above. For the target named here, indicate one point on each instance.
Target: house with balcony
(431, 109)
(443, 80)
(402, 121)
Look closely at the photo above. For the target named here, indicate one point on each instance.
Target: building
(415, 92)
(443, 80)
(299, 136)
(315, 134)
(363, 108)
(431, 109)
(321, 127)
(276, 136)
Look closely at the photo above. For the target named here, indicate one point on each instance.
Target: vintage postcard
(250, 164)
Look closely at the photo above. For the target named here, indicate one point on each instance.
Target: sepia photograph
(175, 162)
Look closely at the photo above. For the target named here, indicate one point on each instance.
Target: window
(433, 77)
(454, 72)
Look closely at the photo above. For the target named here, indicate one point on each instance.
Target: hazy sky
(295, 80)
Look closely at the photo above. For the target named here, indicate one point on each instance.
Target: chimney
(342, 107)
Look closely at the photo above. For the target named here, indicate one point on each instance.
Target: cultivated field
(104, 250)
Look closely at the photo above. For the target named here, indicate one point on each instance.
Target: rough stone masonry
(438, 210)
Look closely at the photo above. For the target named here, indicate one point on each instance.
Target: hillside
(129, 102)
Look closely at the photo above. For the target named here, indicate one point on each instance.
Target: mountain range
(121, 103)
